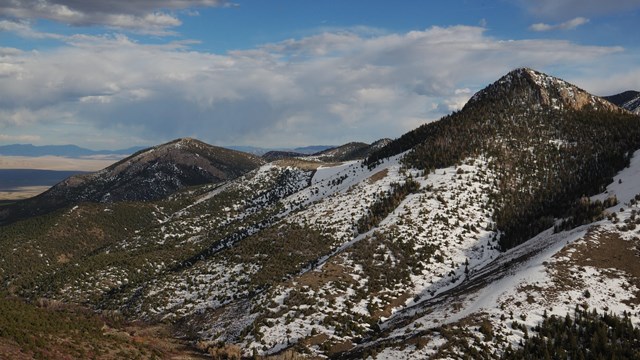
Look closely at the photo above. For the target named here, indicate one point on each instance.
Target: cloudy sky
(113, 74)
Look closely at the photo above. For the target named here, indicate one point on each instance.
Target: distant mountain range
(305, 150)
(72, 151)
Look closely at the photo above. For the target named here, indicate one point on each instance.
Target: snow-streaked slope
(625, 184)
(340, 195)
(591, 267)
(430, 261)
(445, 226)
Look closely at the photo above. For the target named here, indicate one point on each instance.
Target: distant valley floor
(16, 184)
(23, 177)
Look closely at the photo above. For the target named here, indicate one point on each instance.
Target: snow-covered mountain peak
(536, 90)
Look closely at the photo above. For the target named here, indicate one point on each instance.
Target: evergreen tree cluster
(386, 203)
(51, 330)
(586, 211)
(588, 335)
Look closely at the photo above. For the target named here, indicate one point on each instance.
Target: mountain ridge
(149, 174)
(75, 151)
(539, 90)
(629, 100)
(457, 239)
(305, 150)
(350, 151)
(554, 118)
(346, 152)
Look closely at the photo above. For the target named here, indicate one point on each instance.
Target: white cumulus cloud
(567, 25)
(567, 9)
(147, 16)
(327, 88)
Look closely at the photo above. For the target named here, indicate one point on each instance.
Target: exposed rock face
(538, 91)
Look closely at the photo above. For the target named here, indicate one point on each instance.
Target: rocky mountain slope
(350, 151)
(468, 236)
(280, 155)
(549, 141)
(346, 152)
(629, 100)
(149, 174)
